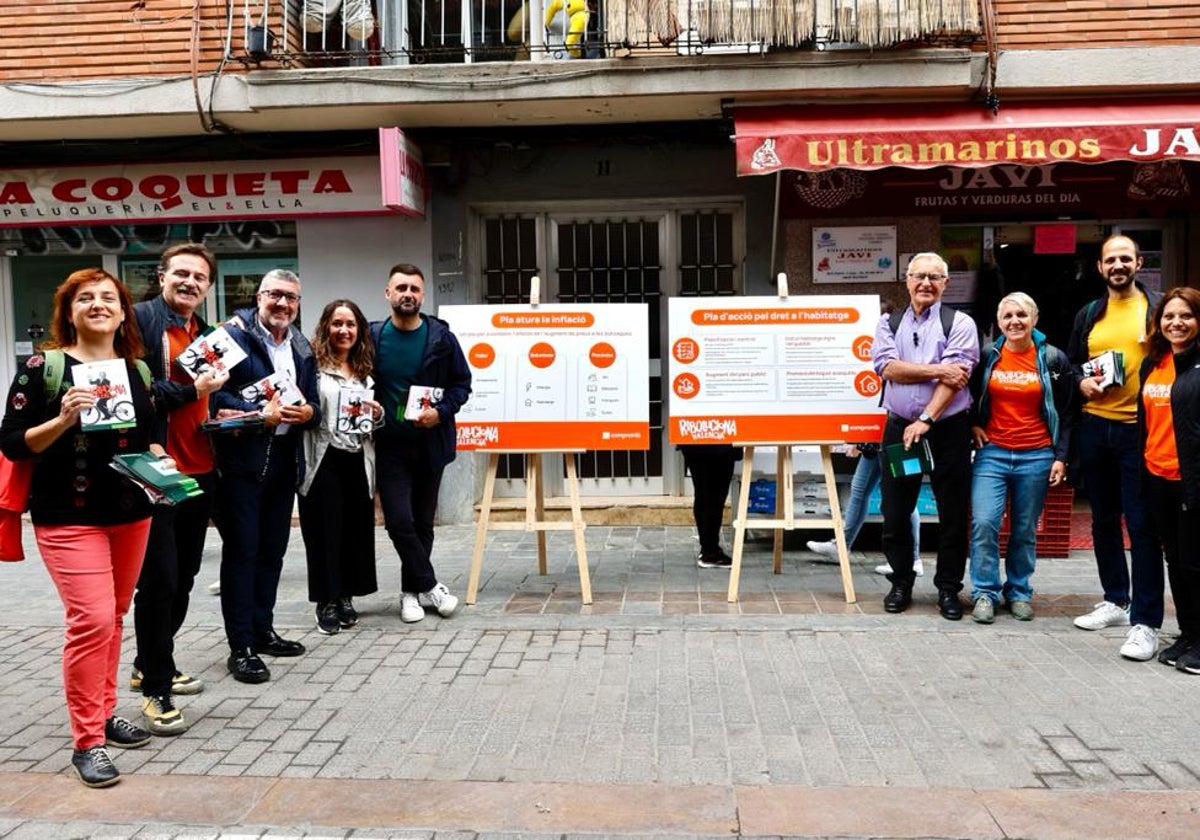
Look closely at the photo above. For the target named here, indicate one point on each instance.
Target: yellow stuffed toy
(566, 23)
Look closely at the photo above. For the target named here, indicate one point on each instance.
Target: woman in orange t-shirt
(1169, 423)
(1023, 411)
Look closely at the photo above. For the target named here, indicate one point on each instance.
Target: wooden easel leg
(578, 526)
(535, 505)
(839, 525)
(740, 523)
(481, 529)
(777, 533)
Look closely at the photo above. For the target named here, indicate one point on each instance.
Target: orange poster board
(554, 377)
(767, 369)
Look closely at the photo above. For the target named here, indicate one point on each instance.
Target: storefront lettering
(1001, 176)
(168, 191)
(1183, 142)
(859, 152)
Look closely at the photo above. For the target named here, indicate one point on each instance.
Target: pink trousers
(95, 569)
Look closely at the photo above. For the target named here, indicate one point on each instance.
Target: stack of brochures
(164, 484)
(244, 420)
(1109, 367)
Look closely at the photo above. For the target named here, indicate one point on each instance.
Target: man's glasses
(916, 339)
(921, 276)
(277, 295)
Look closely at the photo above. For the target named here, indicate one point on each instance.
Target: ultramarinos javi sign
(925, 135)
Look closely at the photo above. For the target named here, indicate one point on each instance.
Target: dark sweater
(73, 483)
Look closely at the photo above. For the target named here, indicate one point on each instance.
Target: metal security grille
(706, 260)
(509, 262)
(617, 261)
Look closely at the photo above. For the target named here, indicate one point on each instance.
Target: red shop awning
(923, 136)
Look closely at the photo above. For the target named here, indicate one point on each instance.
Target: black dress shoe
(898, 598)
(276, 645)
(949, 604)
(247, 667)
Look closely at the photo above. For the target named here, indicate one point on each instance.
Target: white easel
(785, 504)
(535, 504)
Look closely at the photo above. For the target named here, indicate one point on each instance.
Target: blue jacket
(242, 453)
(1059, 405)
(444, 366)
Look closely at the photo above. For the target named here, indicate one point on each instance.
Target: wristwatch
(925, 417)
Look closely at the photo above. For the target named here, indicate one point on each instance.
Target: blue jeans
(866, 478)
(1021, 477)
(1111, 464)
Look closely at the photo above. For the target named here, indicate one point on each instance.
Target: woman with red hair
(90, 522)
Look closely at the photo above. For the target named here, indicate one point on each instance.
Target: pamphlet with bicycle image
(109, 383)
(213, 350)
(353, 415)
(265, 389)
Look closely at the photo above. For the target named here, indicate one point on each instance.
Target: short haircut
(1020, 299)
(928, 255)
(407, 268)
(194, 249)
(281, 274)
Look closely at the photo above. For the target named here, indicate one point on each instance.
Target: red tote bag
(15, 478)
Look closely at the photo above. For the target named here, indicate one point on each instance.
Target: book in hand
(421, 397)
(213, 350)
(109, 383)
(1109, 366)
(163, 483)
(353, 417)
(902, 462)
(265, 389)
(235, 422)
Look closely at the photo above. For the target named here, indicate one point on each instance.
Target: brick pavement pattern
(681, 714)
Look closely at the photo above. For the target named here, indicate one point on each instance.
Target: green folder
(163, 484)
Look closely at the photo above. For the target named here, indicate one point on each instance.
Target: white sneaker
(827, 548)
(886, 569)
(411, 610)
(440, 599)
(1104, 614)
(1141, 643)
(214, 588)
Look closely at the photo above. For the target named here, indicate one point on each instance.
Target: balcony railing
(342, 32)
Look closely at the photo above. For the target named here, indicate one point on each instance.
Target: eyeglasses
(921, 276)
(916, 339)
(278, 295)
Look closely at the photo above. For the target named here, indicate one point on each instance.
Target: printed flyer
(554, 377)
(774, 370)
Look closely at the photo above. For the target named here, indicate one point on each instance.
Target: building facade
(614, 149)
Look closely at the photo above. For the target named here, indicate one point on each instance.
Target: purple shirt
(922, 341)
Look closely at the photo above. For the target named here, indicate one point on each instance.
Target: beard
(1116, 280)
(406, 307)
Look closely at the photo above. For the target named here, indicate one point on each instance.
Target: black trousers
(337, 521)
(711, 468)
(408, 493)
(255, 523)
(1180, 533)
(164, 588)
(950, 444)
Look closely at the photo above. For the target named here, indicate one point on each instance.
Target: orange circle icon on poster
(686, 386)
(541, 355)
(685, 351)
(868, 383)
(481, 355)
(602, 354)
(862, 347)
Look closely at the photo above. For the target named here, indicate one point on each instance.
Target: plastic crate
(762, 496)
(1053, 529)
(926, 503)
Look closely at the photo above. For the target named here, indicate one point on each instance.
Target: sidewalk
(658, 710)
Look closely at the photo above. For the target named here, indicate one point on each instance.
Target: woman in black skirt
(337, 509)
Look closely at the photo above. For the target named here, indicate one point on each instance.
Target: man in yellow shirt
(1110, 453)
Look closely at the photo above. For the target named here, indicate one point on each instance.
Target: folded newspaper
(162, 482)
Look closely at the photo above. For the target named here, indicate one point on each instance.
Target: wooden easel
(535, 516)
(785, 514)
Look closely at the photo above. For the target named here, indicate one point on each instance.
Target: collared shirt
(281, 359)
(922, 341)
